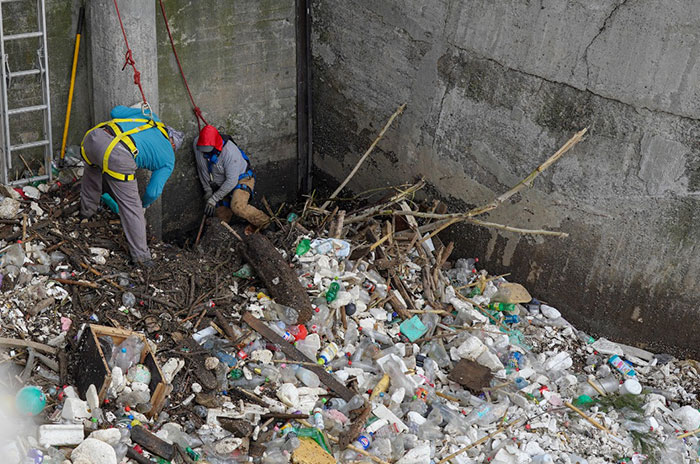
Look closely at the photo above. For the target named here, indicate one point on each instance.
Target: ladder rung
(26, 35)
(26, 109)
(24, 146)
(28, 72)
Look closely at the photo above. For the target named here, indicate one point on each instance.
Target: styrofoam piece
(94, 452)
(61, 435)
(383, 412)
(75, 409)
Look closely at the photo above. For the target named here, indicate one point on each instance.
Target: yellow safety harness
(125, 138)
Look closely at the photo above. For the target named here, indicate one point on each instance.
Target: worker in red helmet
(227, 178)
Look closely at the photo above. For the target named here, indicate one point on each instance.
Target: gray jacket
(224, 173)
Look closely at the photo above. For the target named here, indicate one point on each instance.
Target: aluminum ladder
(42, 70)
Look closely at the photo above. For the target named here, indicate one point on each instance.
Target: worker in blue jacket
(113, 150)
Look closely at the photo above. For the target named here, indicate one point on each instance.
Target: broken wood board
(310, 452)
(292, 353)
(280, 280)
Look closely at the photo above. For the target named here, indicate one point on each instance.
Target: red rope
(128, 57)
(195, 108)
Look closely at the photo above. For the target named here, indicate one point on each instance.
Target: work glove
(210, 206)
(207, 195)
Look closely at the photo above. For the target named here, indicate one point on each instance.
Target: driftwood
(279, 279)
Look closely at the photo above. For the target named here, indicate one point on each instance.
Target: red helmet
(211, 137)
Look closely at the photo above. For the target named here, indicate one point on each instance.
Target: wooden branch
(397, 198)
(79, 283)
(528, 181)
(588, 418)
(27, 344)
(362, 159)
(517, 229)
(479, 441)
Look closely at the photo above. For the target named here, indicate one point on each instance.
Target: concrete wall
(493, 88)
(239, 58)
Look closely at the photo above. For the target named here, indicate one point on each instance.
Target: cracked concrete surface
(493, 88)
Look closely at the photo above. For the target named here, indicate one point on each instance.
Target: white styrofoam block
(61, 434)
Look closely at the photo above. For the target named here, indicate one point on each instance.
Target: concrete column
(110, 85)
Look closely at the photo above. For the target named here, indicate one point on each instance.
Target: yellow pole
(81, 19)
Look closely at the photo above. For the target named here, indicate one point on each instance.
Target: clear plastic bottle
(283, 313)
(128, 299)
(354, 403)
(128, 353)
(307, 377)
(280, 328)
(378, 336)
(14, 256)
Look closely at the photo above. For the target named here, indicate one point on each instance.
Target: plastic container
(332, 292)
(328, 353)
(303, 247)
(622, 366)
(128, 299)
(127, 353)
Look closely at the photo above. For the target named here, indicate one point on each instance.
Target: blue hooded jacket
(155, 151)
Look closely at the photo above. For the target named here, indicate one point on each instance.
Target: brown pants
(241, 208)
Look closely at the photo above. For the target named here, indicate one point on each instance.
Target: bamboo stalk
(479, 441)
(588, 418)
(362, 159)
(519, 230)
(688, 434)
(600, 391)
(528, 181)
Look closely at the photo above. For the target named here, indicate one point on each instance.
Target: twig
(79, 283)
(369, 150)
(235, 234)
(201, 228)
(517, 229)
(289, 361)
(600, 391)
(688, 434)
(479, 441)
(528, 181)
(588, 418)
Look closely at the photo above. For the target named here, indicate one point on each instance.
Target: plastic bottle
(622, 366)
(303, 247)
(309, 346)
(284, 313)
(128, 299)
(354, 403)
(280, 329)
(128, 353)
(14, 256)
(378, 336)
(328, 353)
(505, 307)
(332, 291)
(307, 377)
(318, 419)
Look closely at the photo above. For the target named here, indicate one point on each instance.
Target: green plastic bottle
(332, 291)
(505, 307)
(303, 247)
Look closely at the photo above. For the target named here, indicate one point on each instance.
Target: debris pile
(398, 352)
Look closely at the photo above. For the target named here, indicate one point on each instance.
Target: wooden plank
(27, 344)
(328, 380)
(152, 443)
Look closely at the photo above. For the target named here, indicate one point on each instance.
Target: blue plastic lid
(123, 350)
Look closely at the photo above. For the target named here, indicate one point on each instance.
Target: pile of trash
(408, 357)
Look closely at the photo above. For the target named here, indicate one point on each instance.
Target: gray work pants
(125, 193)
